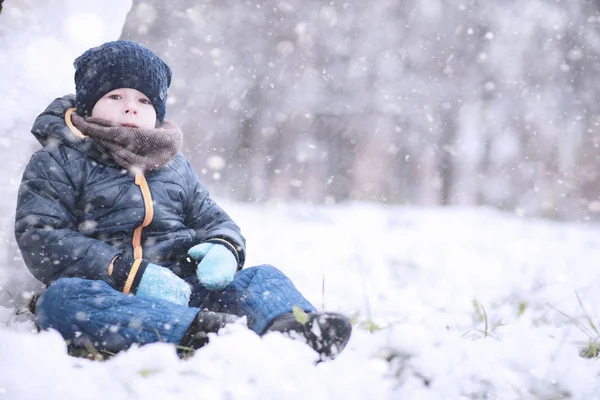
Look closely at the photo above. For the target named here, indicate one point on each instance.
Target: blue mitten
(217, 265)
(161, 283)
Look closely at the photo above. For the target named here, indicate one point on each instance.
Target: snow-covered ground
(448, 303)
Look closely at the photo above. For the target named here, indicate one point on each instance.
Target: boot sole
(326, 334)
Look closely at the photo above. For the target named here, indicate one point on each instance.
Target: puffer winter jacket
(81, 215)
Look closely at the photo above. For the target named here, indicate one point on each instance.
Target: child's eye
(145, 101)
(114, 97)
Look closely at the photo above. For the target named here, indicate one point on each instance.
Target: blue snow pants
(87, 311)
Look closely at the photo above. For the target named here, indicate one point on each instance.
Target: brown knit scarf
(136, 149)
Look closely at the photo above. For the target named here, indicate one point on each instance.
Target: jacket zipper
(136, 242)
(140, 180)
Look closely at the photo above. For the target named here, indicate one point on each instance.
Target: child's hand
(161, 283)
(217, 265)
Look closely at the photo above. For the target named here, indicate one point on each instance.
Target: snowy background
(452, 303)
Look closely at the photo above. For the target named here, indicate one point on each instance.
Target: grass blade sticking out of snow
(572, 321)
(522, 308)
(300, 315)
(481, 316)
(144, 373)
(587, 315)
(591, 349)
(485, 318)
(369, 326)
(593, 346)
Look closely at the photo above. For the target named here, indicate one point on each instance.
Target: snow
(413, 279)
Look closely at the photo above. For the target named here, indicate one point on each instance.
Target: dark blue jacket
(80, 215)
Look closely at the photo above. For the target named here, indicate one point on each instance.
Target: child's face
(127, 107)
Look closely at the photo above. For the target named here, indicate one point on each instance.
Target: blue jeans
(86, 311)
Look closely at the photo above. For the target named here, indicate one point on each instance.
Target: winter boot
(205, 322)
(326, 333)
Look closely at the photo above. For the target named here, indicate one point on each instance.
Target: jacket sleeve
(46, 226)
(210, 221)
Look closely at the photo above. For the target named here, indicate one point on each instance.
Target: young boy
(112, 218)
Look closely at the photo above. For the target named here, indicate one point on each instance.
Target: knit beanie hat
(120, 64)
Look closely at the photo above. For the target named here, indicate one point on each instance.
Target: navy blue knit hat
(120, 64)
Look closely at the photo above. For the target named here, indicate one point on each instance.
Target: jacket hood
(50, 129)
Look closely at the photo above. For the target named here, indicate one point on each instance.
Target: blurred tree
(419, 101)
